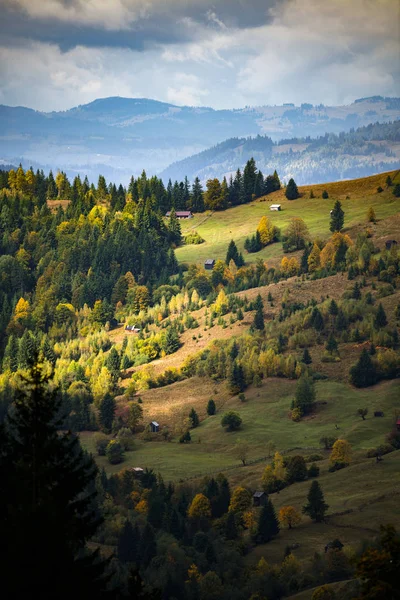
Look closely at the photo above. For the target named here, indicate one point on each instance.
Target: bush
(114, 452)
(125, 438)
(193, 238)
(337, 466)
(101, 441)
(315, 457)
(313, 471)
(325, 194)
(231, 420)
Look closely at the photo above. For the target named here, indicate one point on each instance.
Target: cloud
(197, 52)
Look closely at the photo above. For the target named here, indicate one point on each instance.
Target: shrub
(125, 438)
(380, 450)
(314, 457)
(114, 452)
(231, 420)
(313, 470)
(101, 442)
(193, 238)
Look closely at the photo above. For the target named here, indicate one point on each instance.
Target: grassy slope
(237, 223)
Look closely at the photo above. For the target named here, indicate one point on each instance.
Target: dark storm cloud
(157, 22)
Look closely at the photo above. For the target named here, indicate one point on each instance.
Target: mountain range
(118, 137)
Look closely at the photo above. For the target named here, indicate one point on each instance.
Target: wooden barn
(132, 328)
(209, 264)
(154, 427)
(181, 214)
(259, 499)
(275, 207)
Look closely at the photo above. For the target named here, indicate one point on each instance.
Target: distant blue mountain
(124, 135)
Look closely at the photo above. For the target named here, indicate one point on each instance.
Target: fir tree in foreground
(316, 506)
(49, 499)
(268, 525)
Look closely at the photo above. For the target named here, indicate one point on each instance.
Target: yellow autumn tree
(371, 217)
(289, 516)
(341, 453)
(314, 259)
(327, 255)
(266, 230)
(200, 507)
(293, 267)
(279, 468)
(142, 507)
(221, 303)
(240, 500)
(285, 265)
(22, 311)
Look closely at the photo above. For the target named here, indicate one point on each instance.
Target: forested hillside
(243, 418)
(331, 157)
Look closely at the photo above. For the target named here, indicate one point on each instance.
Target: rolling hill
(358, 153)
(119, 137)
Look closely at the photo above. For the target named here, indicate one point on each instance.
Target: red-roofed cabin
(398, 424)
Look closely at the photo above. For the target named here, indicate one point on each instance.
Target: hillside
(348, 155)
(218, 228)
(118, 137)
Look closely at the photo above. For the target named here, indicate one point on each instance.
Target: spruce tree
(128, 542)
(305, 395)
(232, 254)
(306, 358)
(337, 218)
(380, 318)
(316, 506)
(331, 345)
(49, 503)
(231, 530)
(194, 418)
(268, 525)
(236, 379)
(258, 322)
(292, 191)
(363, 373)
(211, 407)
(106, 413)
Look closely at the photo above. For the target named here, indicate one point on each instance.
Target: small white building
(275, 207)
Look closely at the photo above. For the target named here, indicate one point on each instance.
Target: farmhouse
(181, 214)
(209, 264)
(154, 427)
(259, 498)
(390, 244)
(275, 207)
(137, 470)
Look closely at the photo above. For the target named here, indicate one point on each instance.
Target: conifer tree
(306, 358)
(50, 502)
(380, 318)
(231, 530)
(305, 395)
(236, 379)
(316, 506)
(128, 542)
(194, 418)
(258, 322)
(363, 373)
(292, 191)
(337, 218)
(106, 413)
(331, 345)
(211, 407)
(233, 254)
(268, 524)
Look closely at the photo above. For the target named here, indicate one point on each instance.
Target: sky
(56, 54)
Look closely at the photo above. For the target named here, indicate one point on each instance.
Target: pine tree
(316, 506)
(292, 191)
(363, 373)
(172, 342)
(380, 318)
(194, 418)
(174, 228)
(231, 530)
(258, 322)
(211, 407)
(106, 413)
(147, 546)
(128, 541)
(50, 501)
(237, 382)
(337, 218)
(306, 358)
(305, 395)
(113, 364)
(317, 320)
(268, 524)
(331, 345)
(233, 254)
